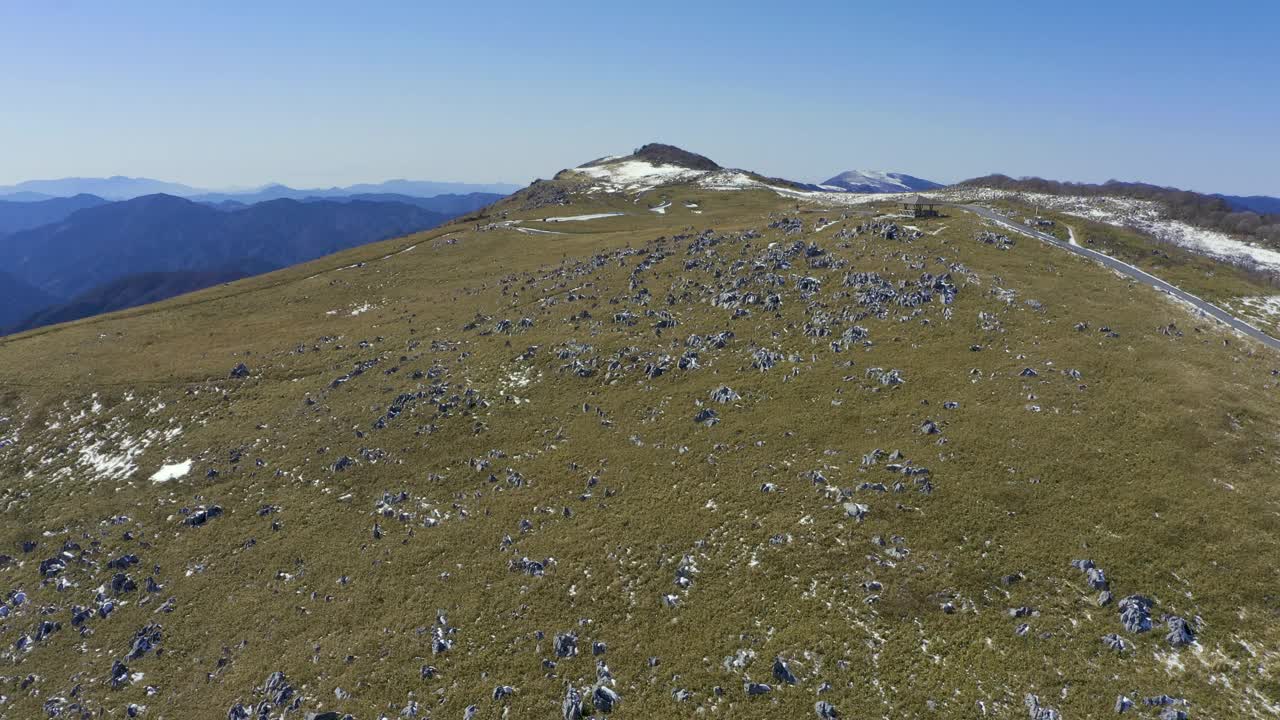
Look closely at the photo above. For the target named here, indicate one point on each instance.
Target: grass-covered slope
(734, 432)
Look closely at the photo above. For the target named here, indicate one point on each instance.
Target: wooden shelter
(919, 207)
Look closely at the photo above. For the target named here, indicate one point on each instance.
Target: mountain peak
(660, 155)
(878, 181)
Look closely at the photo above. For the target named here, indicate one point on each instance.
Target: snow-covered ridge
(874, 181)
(634, 176)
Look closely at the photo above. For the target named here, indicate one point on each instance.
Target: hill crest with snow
(877, 181)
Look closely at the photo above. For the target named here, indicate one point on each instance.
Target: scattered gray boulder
(724, 394)
(571, 707)
(1097, 579)
(605, 699)
(119, 675)
(202, 515)
(782, 672)
(144, 641)
(825, 710)
(1115, 642)
(566, 644)
(754, 689)
(1135, 613)
(1036, 711)
(857, 511)
(1180, 632)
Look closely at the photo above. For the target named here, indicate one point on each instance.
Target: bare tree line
(1205, 211)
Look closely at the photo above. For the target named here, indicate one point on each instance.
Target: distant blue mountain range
(1261, 204)
(119, 187)
(15, 216)
(67, 258)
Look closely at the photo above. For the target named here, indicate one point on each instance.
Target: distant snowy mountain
(657, 164)
(877, 181)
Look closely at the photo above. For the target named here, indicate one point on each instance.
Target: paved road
(1121, 267)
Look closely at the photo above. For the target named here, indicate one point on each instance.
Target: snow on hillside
(637, 175)
(581, 218)
(1145, 216)
(877, 181)
(634, 175)
(729, 180)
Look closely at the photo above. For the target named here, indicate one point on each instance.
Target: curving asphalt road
(1122, 267)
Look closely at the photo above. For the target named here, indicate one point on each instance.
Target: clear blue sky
(318, 93)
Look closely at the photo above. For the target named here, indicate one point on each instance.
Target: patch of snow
(1268, 305)
(729, 180)
(1215, 244)
(401, 252)
(580, 218)
(117, 466)
(171, 472)
(1147, 216)
(516, 379)
(638, 175)
(661, 209)
(1172, 662)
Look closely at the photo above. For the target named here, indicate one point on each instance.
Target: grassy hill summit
(653, 439)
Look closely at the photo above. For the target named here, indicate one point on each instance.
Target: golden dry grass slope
(744, 441)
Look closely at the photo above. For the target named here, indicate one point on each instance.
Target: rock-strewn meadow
(688, 452)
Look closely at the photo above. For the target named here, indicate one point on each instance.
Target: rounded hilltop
(661, 154)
